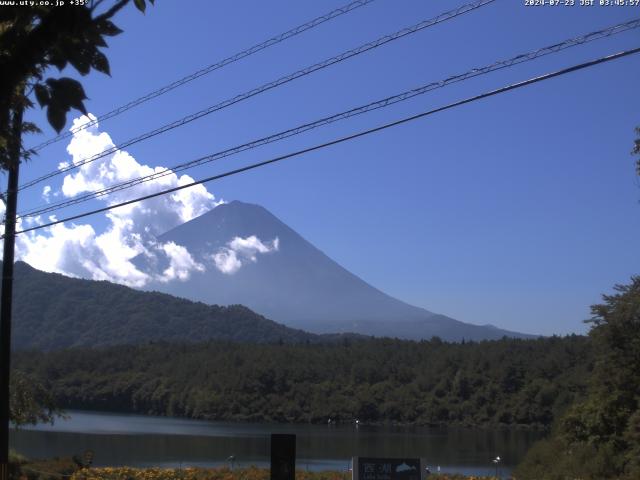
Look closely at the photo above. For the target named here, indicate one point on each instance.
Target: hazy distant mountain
(51, 311)
(249, 257)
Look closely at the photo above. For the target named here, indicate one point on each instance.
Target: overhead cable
(268, 86)
(363, 133)
(214, 66)
(518, 59)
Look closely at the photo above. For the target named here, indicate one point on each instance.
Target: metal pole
(7, 287)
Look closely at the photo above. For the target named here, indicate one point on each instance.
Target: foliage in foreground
(251, 473)
(21, 468)
(29, 401)
(509, 381)
(65, 468)
(36, 37)
(599, 437)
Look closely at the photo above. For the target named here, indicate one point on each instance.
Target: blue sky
(519, 210)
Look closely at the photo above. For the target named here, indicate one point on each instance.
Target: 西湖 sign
(365, 468)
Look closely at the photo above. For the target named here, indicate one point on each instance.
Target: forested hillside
(524, 382)
(51, 311)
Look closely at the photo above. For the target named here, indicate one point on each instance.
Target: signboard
(366, 468)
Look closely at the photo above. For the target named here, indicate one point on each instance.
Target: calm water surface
(138, 440)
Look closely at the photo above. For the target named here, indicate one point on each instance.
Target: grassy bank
(65, 469)
(252, 473)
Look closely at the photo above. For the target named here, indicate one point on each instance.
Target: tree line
(599, 436)
(504, 382)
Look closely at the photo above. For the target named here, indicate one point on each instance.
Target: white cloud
(230, 258)
(181, 263)
(226, 260)
(251, 245)
(78, 250)
(158, 214)
(46, 192)
(61, 246)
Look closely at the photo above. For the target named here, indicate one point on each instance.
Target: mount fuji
(245, 255)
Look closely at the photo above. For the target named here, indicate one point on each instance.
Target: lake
(138, 440)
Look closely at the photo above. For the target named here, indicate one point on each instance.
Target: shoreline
(238, 421)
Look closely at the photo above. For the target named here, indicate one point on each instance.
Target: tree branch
(95, 5)
(112, 11)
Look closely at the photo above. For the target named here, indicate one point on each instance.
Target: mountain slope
(51, 311)
(297, 285)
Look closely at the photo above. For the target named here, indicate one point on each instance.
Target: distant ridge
(51, 311)
(298, 285)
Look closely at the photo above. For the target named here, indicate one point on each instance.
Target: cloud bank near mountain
(78, 250)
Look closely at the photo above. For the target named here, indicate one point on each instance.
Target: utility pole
(6, 294)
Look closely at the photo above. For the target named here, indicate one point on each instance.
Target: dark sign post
(388, 468)
(283, 456)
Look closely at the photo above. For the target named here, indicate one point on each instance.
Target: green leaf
(67, 93)
(95, 37)
(57, 117)
(30, 127)
(140, 5)
(28, 154)
(58, 60)
(100, 62)
(42, 94)
(81, 60)
(107, 27)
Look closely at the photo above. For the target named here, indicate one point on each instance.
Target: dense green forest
(599, 436)
(509, 381)
(51, 311)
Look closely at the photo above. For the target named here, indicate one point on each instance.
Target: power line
(600, 34)
(215, 66)
(268, 86)
(363, 133)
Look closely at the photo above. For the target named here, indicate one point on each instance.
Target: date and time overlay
(526, 3)
(581, 3)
